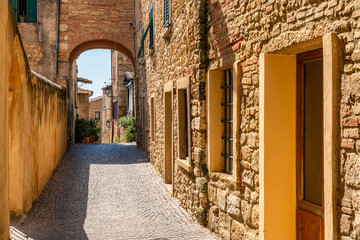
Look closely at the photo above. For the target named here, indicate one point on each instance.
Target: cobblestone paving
(106, 191)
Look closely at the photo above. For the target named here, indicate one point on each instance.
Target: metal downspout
(57, 36)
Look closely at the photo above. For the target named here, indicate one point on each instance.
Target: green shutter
(31, 14)
(151, 23)
(166, 17)
(13, 4)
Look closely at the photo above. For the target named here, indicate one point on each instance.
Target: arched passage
(72, 79)
(100, 43)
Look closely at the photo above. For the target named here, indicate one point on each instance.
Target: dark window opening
(184, 124)
(97, 115)
(227, 122)
(24, 10)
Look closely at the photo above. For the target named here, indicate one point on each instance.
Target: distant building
(128, 82)
(83, 96)
(95, 110)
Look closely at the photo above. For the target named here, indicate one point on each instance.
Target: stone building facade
(257, 41)
(39, 36)
(95, 110)
(120, 64)
(83, 103)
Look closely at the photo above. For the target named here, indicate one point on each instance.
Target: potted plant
(22, 19)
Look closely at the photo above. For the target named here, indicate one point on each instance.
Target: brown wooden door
(310, 214)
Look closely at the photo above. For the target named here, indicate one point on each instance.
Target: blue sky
(95, 65)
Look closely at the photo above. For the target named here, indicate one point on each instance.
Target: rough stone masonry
(214, 34)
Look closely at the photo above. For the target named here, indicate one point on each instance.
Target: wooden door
(310, 211)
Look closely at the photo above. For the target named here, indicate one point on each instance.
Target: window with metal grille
(227, 122)
(166, 13)
(24, 10)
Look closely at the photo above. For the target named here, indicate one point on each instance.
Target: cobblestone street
(106, 191)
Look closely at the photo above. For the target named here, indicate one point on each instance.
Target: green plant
(86, 128)
(129, 124)
(130, 133)
(126, 121)
(118, 140)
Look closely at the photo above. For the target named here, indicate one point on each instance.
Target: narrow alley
(106, 191)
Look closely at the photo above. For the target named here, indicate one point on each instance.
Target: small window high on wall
(166, 14)
(97, 115)
(24, 10)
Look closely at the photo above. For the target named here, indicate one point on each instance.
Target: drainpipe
(57, 35)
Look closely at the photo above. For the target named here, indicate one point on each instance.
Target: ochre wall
(6, 39)
(33, 125)
(38, 137)
(277, 146)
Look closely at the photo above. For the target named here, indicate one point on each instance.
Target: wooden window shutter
(14, 6)
(31, 14)
(166, 20)
(142, 45)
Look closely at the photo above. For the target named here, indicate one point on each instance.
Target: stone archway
(100, 43)
(72, 73)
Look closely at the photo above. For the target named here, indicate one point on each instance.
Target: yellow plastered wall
(214, 110)
(277, 147)
(5, 66)
(168, 150)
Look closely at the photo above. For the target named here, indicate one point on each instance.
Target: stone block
(237, 230)
(246, 211)
(221, 199)
(233, 205)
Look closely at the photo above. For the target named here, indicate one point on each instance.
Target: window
(166, 13)
(152, 119)
(142, 49)
(227, 122)
(151, 24)
(24, 10)
(97, 115)
(184, 123)
(115, 110)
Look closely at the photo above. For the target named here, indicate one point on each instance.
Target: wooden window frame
(153, 122)
(301, 59)
(301, 204)
(183, 84)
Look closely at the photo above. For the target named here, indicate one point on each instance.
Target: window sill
(223, 177)
(166, 32)
(185, 165)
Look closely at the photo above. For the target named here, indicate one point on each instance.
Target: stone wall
(39, 39)
(120, 64)
(180, 54)
(238, 31)
(83, 105)
(91, 24)
(95, 105)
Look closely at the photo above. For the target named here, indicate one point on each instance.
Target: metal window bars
(227, 121)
